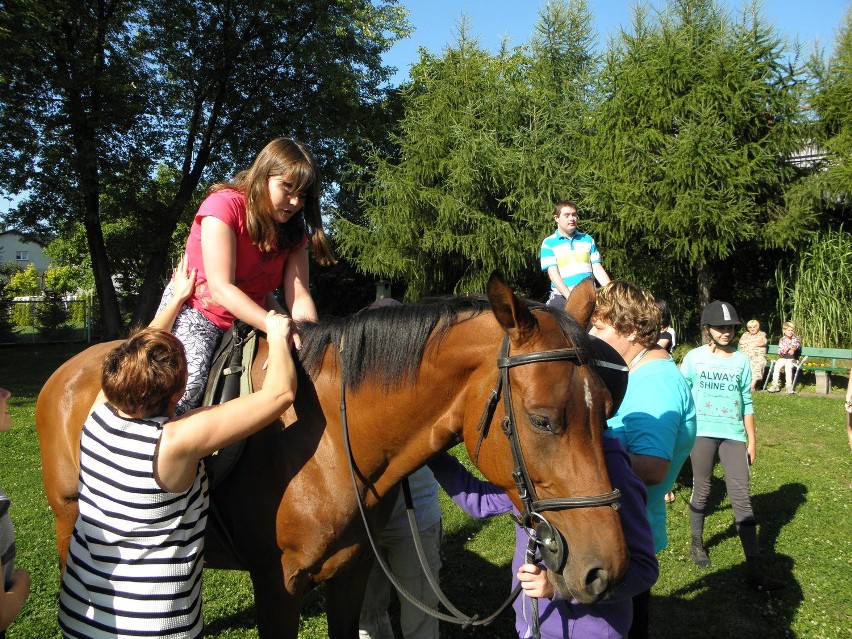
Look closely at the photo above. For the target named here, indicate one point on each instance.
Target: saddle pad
(230, 377)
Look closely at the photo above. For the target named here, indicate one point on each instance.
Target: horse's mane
(387, 343)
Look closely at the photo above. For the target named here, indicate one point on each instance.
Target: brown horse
(417, 378)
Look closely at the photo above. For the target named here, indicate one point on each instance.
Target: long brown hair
(290, 158)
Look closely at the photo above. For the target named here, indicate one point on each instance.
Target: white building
(17, 250)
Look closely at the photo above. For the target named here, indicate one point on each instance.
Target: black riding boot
(697, 552)
(755, 578)
(696, 549)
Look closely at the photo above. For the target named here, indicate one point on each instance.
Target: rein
(552, 546)
(457, 616)
(542, 534)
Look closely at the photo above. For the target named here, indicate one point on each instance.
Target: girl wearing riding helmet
(249, 238)
(719, 377)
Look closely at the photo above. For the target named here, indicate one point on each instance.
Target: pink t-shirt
(257, 272)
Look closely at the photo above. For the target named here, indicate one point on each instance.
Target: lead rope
(460, 618)
(536, 629)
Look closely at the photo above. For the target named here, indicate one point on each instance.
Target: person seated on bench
(789, 347)
(753, 345)
(849, 409)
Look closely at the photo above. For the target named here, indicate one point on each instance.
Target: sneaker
(791, 392)
(773, 389)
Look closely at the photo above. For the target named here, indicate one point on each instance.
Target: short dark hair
(665, 313)
(562, 203)
(141, 375)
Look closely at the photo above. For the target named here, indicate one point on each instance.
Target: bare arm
(651, 470)
(12, 600)
(751, 444)
(558, 282)
(297, 294)
(200, 432)
(219, 252)
(600, 274)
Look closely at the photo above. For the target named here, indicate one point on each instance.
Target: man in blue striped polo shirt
(569, 256)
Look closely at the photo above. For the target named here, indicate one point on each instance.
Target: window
(22, 256)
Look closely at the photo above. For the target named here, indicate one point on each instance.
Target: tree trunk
(152, 288)
(703, 282)
(107, 298)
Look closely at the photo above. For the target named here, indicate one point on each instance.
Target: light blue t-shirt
(656, 418)
(721, 388)
(574, 256)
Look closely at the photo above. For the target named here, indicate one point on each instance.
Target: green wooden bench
(822, 362)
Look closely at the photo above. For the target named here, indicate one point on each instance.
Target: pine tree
(692, 139)
(486, 144)
(829, 187)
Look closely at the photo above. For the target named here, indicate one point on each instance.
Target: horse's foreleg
(344, 597)
(277, 611)
(65, 521)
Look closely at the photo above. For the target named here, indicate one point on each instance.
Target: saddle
(230, 377)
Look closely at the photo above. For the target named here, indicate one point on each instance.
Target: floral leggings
(199, 337)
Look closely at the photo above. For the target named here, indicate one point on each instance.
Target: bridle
(550, 543)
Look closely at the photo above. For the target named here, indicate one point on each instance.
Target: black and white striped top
(134, 568)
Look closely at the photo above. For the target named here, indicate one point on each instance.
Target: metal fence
(45, 320)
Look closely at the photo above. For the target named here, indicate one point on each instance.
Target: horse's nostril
(597, 581)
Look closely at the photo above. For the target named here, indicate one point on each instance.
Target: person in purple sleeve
(558, 617)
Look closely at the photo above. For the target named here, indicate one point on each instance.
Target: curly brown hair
(628, 308)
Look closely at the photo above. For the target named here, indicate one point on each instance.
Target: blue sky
(435, 22)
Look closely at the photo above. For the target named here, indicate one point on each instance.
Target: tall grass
(816, 292)
(802, 494)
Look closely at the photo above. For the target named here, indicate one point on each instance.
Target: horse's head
(557, 405)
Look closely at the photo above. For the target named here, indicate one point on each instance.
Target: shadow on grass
(471, 583)
(719, 604)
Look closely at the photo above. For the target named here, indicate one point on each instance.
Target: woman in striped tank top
(134, 566)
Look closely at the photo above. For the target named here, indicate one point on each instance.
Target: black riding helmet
(720, 314)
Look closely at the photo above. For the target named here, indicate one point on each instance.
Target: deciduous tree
(100, 98)
(828, 188)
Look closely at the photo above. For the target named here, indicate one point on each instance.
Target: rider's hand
(534, 581)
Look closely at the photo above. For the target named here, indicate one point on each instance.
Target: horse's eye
(540, 422)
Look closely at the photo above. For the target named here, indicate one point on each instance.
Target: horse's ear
(581, 302)
(511, 313)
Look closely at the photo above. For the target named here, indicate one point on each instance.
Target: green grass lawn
(801, 487)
